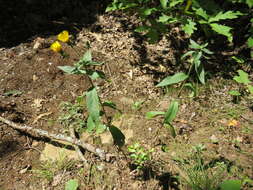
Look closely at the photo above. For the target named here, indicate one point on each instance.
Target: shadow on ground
(21, 20)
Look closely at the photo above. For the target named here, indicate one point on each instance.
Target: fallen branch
(78, 151)
(38, 132)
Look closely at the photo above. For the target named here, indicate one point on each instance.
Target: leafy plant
(199, 175)
(195, 56)
(193, 15)
(243, 79)
(169, 116)
(139, 155)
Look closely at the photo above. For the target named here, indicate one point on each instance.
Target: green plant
(200, 175)
(48, 169)
(169, 116)
(243, 79)
(191, 14)
(139, 155)
(72, 115)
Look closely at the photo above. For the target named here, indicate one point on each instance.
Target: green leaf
(171, 112)
(172, 129)
(194, 45)
(224, 16)
(234, 93)
(202, 13)
(90, 124)
(189, 27)
(67, 69)
(151, 114)
(147, 11)
(142, 29)
(87, 57)
(223, 30)
(249, 3)
(187, 54)
(71, 184)
(175, 2)
(242, 78)
(176, 78)
(166, 19)
(93, 105)
(199, 67)
(164, 3)
(117, 135)
(100, 128)
(231, 185)
(250, 42)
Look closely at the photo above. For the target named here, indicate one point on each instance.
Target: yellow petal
(63, 36)
(56, 46)
(233, 123)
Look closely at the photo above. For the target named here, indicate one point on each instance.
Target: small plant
(72, 115)
(169, 116)
(242, 79)
(50, 168)
(200, 175)
(139, 155)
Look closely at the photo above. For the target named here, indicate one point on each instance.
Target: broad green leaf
(90, 125)
(71, 184)
(175, 2)
(151, 114)
(231, 185)
(172, 129)
(67, 69)
(250, 42)
(164, 3)
(242, 78)
(223, 30)
(93, 105)
(87, 57)
(224, 16)
(202, 13)
(238, 59)
(176, 78)
(171, 112)
(207, 51)
(189, 27)
(234, 93)
(117, 135)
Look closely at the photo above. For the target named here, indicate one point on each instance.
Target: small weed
(139, 155)
(50, 168)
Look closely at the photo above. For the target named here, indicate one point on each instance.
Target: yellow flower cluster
(63, 37)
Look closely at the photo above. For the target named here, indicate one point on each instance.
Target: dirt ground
(32, 89)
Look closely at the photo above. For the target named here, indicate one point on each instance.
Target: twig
(80, 154)
(39, 132)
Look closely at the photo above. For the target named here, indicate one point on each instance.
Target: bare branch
(39, 132)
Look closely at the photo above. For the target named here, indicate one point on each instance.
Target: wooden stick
(39, 132)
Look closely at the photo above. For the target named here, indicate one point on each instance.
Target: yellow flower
(56, 46)
(233, 123)
(63, 36)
